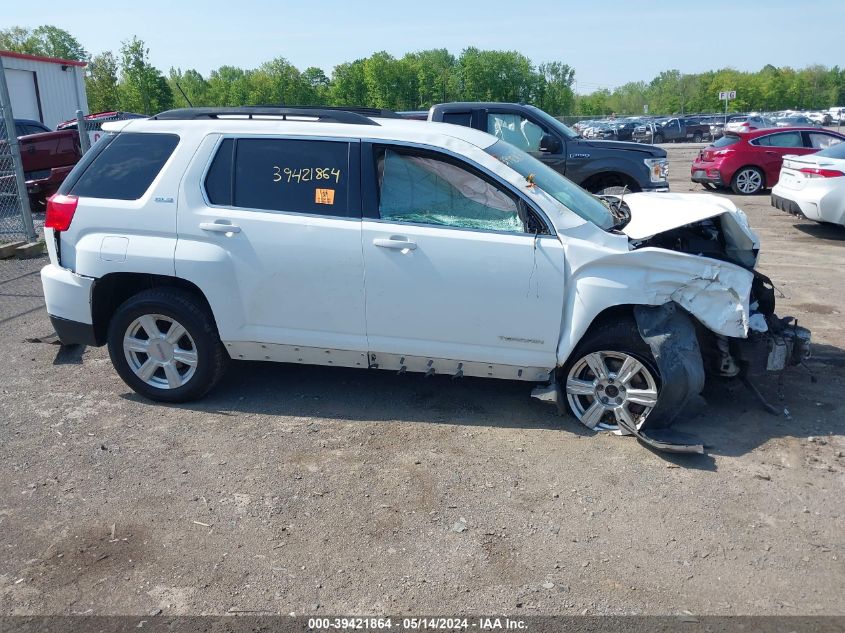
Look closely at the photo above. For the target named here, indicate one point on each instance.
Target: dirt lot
(316, 490)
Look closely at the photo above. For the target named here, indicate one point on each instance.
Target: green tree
(276, 82)
(348, 85)
(188, 88)
(46, 40)
(495, 76)
(101, 83)
(554, 88)
(435, 76)
(56, 42)
(142, 86)
(390, 82)
(228, 86)
(317, 86)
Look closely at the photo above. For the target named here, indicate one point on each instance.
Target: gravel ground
(318, 490)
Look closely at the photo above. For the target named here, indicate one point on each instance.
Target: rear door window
(277, 174)
(126, 167)
(784, 139)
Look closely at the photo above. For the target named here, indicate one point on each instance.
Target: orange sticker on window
(324, 196)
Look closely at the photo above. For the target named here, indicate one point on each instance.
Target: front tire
(611, 375)
(696, 138)
(658, 138)
(164, 344)
(748, 181)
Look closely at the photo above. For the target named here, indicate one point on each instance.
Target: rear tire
(164, 344)
(599, 400)
(696, 138)
(747, 181)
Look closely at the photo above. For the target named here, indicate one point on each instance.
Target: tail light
(816, 172)
(60, 210)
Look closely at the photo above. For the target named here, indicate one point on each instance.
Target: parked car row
(671, 129)
(655, 130)
(749, 162)
(615, 130)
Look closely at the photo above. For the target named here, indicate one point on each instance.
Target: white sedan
(813, 185)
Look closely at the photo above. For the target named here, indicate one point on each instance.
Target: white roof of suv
(386, 128)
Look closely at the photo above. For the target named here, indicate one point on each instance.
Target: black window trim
(354, 194)
(369, 186)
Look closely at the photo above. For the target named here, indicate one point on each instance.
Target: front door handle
(395, 243)
(220, 227)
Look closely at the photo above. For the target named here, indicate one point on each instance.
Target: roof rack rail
(383, 113)
(328, 115)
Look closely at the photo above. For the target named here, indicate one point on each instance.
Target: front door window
(424, 189)
(516, 130)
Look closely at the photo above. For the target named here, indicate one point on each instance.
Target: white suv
(329, 237)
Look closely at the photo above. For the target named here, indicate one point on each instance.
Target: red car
(749, 162)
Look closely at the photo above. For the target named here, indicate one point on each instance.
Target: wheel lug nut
(618, 400)
(600, 387)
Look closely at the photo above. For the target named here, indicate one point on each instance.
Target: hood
(625, 145)
(656, 213)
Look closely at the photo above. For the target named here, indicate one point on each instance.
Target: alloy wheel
(749, 181)
(605, 387)
(160, 351)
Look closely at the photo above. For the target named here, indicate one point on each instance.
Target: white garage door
(23, 94)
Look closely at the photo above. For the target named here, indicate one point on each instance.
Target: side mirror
(550, 144)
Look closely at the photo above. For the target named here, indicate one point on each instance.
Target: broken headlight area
(783, 344)
(773, 343)
(714, 238)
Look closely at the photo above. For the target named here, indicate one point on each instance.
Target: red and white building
(45, 89)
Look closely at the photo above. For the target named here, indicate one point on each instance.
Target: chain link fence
(16, 222)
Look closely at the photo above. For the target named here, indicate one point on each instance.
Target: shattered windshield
(558, 187)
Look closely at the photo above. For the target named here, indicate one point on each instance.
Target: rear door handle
(220, 227)
(395, 243)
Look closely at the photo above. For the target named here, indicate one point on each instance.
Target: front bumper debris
(783, 345)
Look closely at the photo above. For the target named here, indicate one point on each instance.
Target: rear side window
(218, 180)
(726, 140)
(302, 176)
(783, 139)
(458, 118)
(126, 167)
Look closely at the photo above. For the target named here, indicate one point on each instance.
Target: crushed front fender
(670, 333)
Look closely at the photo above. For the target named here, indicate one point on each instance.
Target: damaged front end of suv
(686, 288)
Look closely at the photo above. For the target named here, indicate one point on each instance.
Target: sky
(608, 42)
